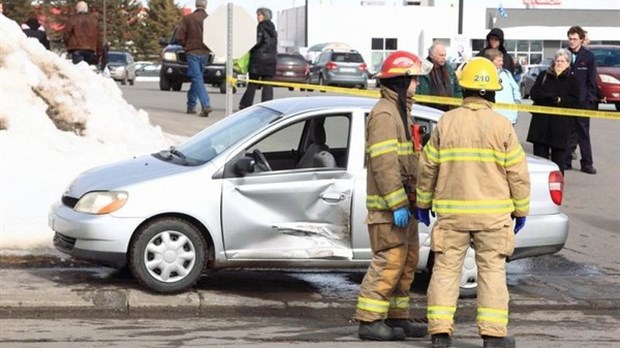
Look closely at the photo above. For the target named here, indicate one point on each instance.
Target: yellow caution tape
(611, 115)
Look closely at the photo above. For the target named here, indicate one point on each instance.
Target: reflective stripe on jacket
(389, 157)
(473, 171)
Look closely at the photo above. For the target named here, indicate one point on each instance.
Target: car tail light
(363, 66)
(556, 186)
(331, 66)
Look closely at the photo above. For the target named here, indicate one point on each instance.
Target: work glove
(519, 223)
(401, 217)
(423, 215)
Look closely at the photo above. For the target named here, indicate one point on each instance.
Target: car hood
(116, 64)
(609, 70)
(121, 174)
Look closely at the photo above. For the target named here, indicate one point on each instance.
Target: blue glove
(423, 216)
(519, 223)
(401, 217)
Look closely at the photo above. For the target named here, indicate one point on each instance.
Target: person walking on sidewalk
(263, 58)
(583, 67)
(82, 36)
(473, 174)
(383, 302)
(441, 81)
(189, 35)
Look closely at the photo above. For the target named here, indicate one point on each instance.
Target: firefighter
(473, 174)
(383, 302)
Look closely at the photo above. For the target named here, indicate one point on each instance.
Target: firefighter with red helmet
(473, 174)
(383, 302)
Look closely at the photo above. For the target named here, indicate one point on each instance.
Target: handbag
(241, 65)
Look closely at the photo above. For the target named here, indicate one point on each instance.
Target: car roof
(612, 47)
(292, 106)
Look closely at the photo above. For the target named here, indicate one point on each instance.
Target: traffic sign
(215, 31)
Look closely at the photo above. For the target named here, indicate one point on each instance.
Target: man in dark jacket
(583, 67)
(495, 39)
(441, 81)
(263, 58)
(82, 36)
(32, 28)
(189, 35)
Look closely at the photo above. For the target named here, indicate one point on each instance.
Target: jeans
(83, 55)
(195, 68)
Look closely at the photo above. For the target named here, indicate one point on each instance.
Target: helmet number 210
(482, 78)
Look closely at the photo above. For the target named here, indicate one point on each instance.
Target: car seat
(317, 154)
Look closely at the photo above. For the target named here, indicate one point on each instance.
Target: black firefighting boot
(498, 342)
(412, 329)
(442, 340)
(378, 331)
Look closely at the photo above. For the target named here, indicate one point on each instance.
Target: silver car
(279, 185)
(122, 67)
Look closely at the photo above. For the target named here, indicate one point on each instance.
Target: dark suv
(174, 68)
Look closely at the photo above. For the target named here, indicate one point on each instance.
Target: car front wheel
(167, 255)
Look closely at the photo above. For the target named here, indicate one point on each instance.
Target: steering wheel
(261, 160)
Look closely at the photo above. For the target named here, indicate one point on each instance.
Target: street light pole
(105, 23)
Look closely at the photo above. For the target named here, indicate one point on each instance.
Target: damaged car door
(287, 194)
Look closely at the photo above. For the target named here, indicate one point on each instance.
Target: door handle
(332, 196)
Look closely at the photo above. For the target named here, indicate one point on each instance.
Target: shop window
(381, 48)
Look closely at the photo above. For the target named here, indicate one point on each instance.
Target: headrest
(318, 134)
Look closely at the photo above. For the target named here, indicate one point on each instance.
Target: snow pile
(56, 120)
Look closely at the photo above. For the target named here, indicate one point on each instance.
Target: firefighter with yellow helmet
(473, 174)
(383, 302)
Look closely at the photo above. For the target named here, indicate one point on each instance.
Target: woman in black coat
(263, 58)
(555, 87)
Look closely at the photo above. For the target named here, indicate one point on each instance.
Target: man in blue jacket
(583, 67)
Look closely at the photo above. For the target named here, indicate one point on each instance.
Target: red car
(291, 68)
(608, 68)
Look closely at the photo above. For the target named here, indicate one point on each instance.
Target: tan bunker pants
(384, 292)
(492, 247)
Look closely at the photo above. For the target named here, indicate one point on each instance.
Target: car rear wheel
(322, 82)
(167, 255)
(164, 82)
(617, 106)
(468, 283)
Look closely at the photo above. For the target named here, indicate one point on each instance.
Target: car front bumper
(102, 239)
(214, 74)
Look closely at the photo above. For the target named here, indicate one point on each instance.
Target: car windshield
(607, 56)
(214, 140)
(116, 58)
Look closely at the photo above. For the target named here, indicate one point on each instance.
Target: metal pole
(105, 23)
(229, 60)
(460, 17)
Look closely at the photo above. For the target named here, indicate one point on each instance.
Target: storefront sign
(542, 2)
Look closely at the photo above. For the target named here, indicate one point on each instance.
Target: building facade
(534, 29)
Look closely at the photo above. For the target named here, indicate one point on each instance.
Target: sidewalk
(24, 291)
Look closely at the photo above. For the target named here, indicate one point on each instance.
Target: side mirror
(163, 42)
(244, 166)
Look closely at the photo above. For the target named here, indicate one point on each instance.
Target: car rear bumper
(102, 239)
(542, 235)
(611, 92)
(345, 80)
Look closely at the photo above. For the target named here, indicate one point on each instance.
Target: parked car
(281, 184)
(173, 71)
(149, 70)
(608, 69)
(121, 66)
(340, 68)
(530, 73)
(291, 68)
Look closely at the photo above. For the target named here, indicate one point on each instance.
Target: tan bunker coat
(473, 174)
(391, 167)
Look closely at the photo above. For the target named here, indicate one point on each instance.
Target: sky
(38, 161)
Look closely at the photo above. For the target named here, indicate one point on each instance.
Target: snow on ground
(56, 121)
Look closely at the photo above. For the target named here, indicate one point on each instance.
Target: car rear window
(347, 57)
(291, 59)
(607, 56)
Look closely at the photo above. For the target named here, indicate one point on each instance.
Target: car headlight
(101, 202)
(609, 79)
(170, 56)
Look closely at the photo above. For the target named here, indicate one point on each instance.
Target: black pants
(81, 55)
(580, 134)
(248, 96)
(557, 155)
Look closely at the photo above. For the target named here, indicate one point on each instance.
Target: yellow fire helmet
(479, 74)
